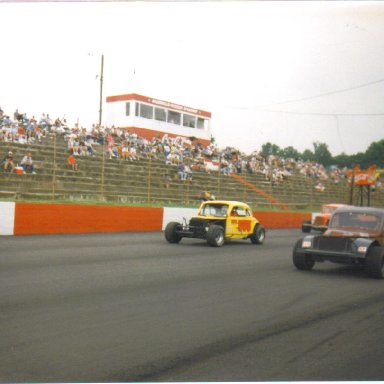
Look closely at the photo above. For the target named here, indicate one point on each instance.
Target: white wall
(177, 214)
(7, 218)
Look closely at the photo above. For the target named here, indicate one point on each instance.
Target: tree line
(321, 154)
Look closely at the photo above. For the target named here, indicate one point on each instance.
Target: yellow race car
(217, 221)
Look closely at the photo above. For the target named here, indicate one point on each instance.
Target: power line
(323, 94)
(322, 114)
(260, 107)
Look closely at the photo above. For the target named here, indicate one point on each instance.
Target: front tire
(215, 236)
(375, 262)
(301, 260)
(258, 235)
(171, 232)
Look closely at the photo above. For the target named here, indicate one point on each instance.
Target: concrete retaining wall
(35, 218)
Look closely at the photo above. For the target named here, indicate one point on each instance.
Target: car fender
(363, 244)
(253, 225)
(307, 242)
(309, 238)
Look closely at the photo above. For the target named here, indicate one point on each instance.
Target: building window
(200, 123)
(174, 117)
(146, 111)
(189, 121)
(160, 114)
(127, 109)
(137, 109)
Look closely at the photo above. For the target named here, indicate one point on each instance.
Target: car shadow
(345, 271)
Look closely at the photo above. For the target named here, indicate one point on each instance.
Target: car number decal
(244, 225)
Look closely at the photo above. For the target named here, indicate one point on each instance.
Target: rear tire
(375, 262)
(301, 260)
(171, 232)
(258, 235)
(306, 227)
(215, 236)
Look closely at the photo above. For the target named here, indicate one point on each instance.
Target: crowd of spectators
(183, 154)
(26, 164)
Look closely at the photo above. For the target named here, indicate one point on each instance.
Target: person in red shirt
(72, 162)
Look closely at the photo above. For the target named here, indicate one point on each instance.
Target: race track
(131, 307)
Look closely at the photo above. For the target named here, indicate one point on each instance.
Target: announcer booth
(149, 117)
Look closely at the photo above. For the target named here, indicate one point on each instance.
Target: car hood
(351, 232)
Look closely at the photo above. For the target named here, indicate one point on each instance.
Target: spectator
(27, 163)
(125, 151)
(181, 171)
(83, 150)
(188, 171)
(319, 187)
(76, 146)
(8, 163)
(90, 150)
(71, 144)
(167, 183)
(17, 116)
(72, 162)
(132, 153)
(110, 152)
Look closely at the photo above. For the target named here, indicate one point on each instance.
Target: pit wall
(39, 218)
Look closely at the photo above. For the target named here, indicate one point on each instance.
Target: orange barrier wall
(72, 218)
(31, 218)
(282, 219)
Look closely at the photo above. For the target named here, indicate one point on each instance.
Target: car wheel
(215, 236)
(375, 262)
(301, 260)
(171, 232)
(306, 227)
(258, 235)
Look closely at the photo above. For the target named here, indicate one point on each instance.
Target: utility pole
(101, 89)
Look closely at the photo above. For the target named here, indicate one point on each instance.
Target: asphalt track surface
(131, 307)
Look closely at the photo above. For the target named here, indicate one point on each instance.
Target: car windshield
(219, 210)
(328, 209)
(356, 220)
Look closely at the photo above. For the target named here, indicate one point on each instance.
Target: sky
(289, 73)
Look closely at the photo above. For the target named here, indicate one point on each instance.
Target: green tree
(343, 160)
(322, 154)
(374, 155)
(269, 149)
(308, 155)
(289, 152)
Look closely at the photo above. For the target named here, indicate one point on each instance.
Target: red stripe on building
(158, 103)
(149, 134)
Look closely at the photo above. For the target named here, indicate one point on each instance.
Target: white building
(149, 117)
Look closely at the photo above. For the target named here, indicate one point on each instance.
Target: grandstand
(100, 179)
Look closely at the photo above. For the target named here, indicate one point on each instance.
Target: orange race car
(321, 220)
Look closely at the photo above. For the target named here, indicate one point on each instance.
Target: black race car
(355, 236)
